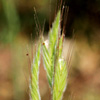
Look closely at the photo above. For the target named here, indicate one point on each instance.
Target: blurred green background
(18, 20)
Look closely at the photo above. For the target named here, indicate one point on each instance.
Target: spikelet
(53, 61)
(34, 86)
(54, 64)
(59, 80)
(49, 54)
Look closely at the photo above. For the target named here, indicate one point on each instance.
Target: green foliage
(34, 86)
(53, 63)
(12, 26)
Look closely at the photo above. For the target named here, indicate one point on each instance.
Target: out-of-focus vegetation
(10, 25)
(17, 22)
